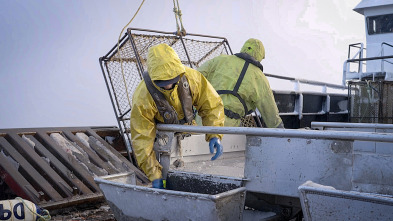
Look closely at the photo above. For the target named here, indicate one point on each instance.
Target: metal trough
(189, 196)
(321, 203)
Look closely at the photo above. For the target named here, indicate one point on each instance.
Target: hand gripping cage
(123, 69)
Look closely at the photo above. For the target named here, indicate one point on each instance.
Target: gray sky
(49, 70)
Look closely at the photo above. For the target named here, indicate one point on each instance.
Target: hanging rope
(180, 29)
(119, 56)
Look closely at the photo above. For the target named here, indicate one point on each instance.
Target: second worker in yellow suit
(242, 85)
(166, 95)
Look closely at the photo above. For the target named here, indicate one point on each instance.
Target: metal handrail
(359, 52)
(367, 59)
(382, 54)
(351, 125)
(346, 63)
(360, 60)
(284, 133)
(370, 58)
(305, 81)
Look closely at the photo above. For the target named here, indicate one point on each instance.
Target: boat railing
(298, 81)
(358, 58)
(359, 54)
(297, 108)
(382, 54)
(274, 132)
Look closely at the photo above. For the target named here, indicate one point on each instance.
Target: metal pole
(351, 125)
(171, 33)
(136, 52)
(370, 58)
(306, 81)
(229, 47)
(267, 132)
(114, 108)
(114, 49)
(185, 50)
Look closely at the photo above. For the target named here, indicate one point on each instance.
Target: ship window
(380, 24)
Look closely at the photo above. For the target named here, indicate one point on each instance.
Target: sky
(50, 74)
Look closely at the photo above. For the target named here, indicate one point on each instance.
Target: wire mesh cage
(123, 68)
(248, 121)
(371, 101)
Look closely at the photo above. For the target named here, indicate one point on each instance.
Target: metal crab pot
(124, 64)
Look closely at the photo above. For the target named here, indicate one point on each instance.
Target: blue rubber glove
(215, 143)
(158, 184)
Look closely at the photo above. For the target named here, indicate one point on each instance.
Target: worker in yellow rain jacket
(176, 90)
(243, 87)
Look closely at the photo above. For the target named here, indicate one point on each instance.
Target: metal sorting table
(278, 161)
(189, 196)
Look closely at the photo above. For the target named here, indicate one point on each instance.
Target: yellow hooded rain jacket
(163, 64)
(223, 72)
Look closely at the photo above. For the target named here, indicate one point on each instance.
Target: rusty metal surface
(55, 167)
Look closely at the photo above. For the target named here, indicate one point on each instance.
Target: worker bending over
(243, 87)
(168, 94)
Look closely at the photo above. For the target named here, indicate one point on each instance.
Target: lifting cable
(119, 54)
(180, 30)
